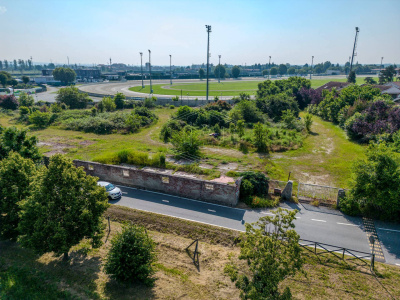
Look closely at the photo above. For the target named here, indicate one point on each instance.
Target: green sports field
(225, 88)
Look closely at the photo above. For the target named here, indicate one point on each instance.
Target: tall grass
(131, 157)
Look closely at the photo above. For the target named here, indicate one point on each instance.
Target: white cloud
(2, 10)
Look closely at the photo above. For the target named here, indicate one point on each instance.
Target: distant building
(87, 74)
(332, 84)
(47, 72)
(46, 80)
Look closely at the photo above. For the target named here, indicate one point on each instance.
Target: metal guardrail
(336, 250)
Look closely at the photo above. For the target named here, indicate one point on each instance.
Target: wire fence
(325, 195)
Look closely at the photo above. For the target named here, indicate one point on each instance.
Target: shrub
(186, 143)
(39, 119)
(275, 105)
(253, 184)
(150, 102)
(308, 122)
(55, 108)
(172, 106)
(71, 97)
(131, 256)
(9, 102)
(119, 100)
(108, 104)
(26, 100)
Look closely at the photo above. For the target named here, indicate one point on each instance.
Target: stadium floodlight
(269, 67)
(208, 27)
(219, 69)
(151, 86)
(312, 62)
(170, 68)
(381, 63)
(141, 67)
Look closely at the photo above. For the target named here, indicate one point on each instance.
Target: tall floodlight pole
(269, 67)
(208, 27)
(141, 67)
(170, 68)
(219, 69)
(312, 62)
(151, 86)
(381, 63)
(68, 60)
(354, 49)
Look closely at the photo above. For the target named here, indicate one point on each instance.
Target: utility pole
(312, 62)
(208, 27)
(151, 86)
(170, 68)
(219, 69)
(354, 49)
(269, 67)
(381, 63)
(141, 67)
(68, 60)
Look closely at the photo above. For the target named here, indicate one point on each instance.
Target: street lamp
(141, 67)
(208, 27)
(219, 69)
(312, 62)
(269, 67)
(170, 68)
(151, 86)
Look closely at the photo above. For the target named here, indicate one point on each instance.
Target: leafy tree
(375, 185)
(274, 71)
(186, 142)
(13, 82)
(65, 75)
(201, 73)
(387, 75)
(25, 80)
(274, 105)
(71, 97)
(131, 256)
(246, 110)
(240, 128)
(26, 100)
(289, 119)
(119, 100)
(291, 71)
(108, 104)
(13, 139)
(235, 72)
(260, 137)
(352, 77)
(3, 79)
(282, 69)
(253, 184)
(369, 80)
(16, 175)
(232, 128)
(66, 206)
(219, 71)
(272, 251)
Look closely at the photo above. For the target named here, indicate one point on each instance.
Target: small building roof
(332, 84)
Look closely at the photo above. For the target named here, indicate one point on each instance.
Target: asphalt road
(321, 225)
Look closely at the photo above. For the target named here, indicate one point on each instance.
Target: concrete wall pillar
(340, 196)
(287, 191)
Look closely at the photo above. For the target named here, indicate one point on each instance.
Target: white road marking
(389, 229)
(166, 201)
(347, 224)
(318, 220)
(397, 264)
(212, 210)
(267, 213)
(297, 217)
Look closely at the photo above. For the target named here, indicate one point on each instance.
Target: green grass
(225, 88)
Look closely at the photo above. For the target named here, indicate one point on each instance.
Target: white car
(112, 191)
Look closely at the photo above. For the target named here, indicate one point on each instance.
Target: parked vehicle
(112, 191)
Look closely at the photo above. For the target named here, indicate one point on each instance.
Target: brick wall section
(225, 194)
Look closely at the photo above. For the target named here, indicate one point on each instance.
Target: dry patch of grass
(177, 277)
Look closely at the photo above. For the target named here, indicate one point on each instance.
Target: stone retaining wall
(208, 191)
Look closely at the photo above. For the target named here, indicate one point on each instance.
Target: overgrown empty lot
(24, 275)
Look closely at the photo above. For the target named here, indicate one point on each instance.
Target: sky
(243, 32)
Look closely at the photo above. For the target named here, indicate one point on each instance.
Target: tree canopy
(65, 75)
(16, 175)
(201, 73)
(219, 71)
(72, 97)
(235, 71)
(66, 206)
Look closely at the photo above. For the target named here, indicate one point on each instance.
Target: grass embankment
(225, 88)
(25, 275)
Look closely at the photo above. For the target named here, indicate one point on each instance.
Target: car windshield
(109, 187)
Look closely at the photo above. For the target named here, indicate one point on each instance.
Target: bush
(275, 105)
(132, 158)
(9, 102)
(108, 104)
(150, 102)
(26, 100)
(253, 184)
(131, 256)
(40, 119)
(119, 100)
(172, 106)
(71, 97)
